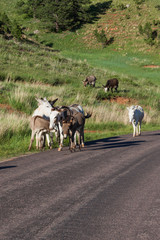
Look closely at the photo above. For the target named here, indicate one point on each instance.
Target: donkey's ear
(53, 102)
(39, 100)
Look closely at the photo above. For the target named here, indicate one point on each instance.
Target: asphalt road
(108, 191)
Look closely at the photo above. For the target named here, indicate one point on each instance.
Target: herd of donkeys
(69, 121)
(110, 84)
(62, 121)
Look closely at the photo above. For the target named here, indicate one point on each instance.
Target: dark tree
(8, 27)
(30, 7)
(59, 14)
(16, 30)
(149, 34)
(5, 23)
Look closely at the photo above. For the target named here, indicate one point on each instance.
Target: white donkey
(136, 115)
(44, 110)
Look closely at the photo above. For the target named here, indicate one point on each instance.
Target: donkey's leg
(139, 128)
(134, 129)
(31, 141)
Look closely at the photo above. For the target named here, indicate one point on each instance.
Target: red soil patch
(9, 109)
(151, 66)
(122, 100)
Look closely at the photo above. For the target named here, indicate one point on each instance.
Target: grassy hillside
(53, 65)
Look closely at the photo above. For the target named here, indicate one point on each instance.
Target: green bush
(2, 76)
(158, 7)
(5, 24)
(101, 95)
(101, 37)
(139, 2)
(121, 6)
(156, 22)
(149, 34)
(9, 27)
(128, 16)
(140, 28)
(16, 30)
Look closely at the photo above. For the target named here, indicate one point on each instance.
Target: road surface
(108, 191)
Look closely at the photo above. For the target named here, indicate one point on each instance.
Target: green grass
(17, 144)
(125, 65)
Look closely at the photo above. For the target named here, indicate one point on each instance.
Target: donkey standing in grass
(111, 83)
(90, 80)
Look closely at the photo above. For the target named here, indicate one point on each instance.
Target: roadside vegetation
(121, 40)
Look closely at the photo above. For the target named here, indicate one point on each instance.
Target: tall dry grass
(13, 124)
(23, 97)
(116, 113)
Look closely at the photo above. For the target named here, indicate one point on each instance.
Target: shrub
(139, 2)
(5, 24)
(149, 34)
(9, 27)
(140, 28)
(121, 6)
(156, 22)
(147, 30)
(127, 16)
(158, 7)
(101, 37)
(2, 76)
(101, 95)
(49, 44)
(16, 30)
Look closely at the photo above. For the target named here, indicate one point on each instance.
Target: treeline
(9, 27)
(59, 15)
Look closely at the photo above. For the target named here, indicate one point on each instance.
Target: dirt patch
(9, 109)
(151, 66)
(123, 101)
